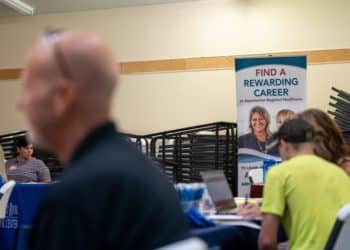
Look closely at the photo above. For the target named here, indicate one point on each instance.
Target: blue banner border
(297, 61)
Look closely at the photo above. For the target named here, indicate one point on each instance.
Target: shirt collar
(90, 140)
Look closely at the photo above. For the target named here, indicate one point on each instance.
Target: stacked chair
(340, 104)
(184, 153)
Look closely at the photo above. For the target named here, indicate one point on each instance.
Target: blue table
(20, 212)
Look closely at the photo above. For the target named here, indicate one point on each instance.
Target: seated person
(25, 168)
(305, 192)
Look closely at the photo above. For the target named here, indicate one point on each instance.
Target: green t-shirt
(306, 192)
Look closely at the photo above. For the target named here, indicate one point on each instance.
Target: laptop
(219, 191)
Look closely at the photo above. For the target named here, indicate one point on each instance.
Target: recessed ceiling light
(19, 6)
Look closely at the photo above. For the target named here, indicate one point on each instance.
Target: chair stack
(340, 104)
(7, 142)
(184, 153)
(141, 142)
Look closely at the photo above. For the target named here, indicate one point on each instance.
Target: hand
(249, 210)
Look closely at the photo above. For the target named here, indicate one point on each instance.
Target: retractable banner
(269, 91)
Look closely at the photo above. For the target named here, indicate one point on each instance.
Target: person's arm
(44, 173)
(273, 208)
(268, 232)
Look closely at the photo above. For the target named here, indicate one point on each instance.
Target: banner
(269, 91)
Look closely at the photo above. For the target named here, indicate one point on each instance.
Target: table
(20, 212)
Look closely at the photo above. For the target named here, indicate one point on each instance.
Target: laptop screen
(218, 189)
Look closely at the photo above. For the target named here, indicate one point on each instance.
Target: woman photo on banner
(260, 135)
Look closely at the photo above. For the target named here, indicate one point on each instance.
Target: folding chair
(5, 193)
(339, 238)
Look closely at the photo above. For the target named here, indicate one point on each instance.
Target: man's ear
(64, 97)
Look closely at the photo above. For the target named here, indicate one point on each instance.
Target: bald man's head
(69, 76)
(85, 60)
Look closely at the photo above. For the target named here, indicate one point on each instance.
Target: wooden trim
(7, 74)
(227, 62)
(207, 63)
(328, 56)
(186, 64)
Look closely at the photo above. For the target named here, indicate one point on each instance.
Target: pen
(246, 199)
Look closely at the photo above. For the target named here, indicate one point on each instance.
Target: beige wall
(152, 102)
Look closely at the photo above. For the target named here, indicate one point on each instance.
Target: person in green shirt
(304, 193)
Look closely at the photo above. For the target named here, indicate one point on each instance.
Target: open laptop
(219, 191)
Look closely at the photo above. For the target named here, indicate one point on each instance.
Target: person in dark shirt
(111, 196)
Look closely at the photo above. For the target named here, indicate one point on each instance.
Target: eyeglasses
(52, 36)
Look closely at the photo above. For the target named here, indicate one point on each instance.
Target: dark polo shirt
(111, 197)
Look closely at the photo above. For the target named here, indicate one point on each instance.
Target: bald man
(111, 196)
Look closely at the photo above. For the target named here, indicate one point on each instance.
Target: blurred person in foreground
(26, 168)
(111, 196)
(305, 192)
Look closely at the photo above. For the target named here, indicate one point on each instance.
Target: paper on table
(239, 223)
(225, 217)
(233, 220)
(231, 217)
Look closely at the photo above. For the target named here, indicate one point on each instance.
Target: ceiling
(52, 6)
